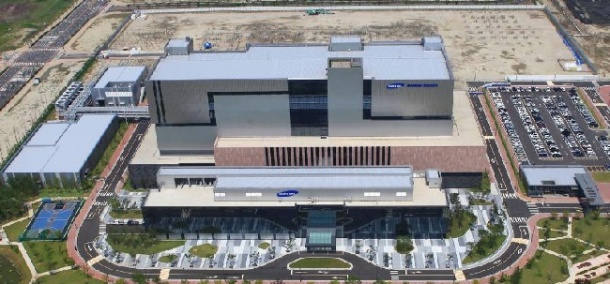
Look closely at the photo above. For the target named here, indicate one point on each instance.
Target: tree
(138, 278)
(120, 281)
(553, 215)
(516, 277)
(404, 245)
(600, 244)
(492, 280)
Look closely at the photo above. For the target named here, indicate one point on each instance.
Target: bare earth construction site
(482, 45)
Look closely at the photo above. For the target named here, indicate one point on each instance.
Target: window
(401, 193)
(219, 194)
(372, 194)
(254, 194)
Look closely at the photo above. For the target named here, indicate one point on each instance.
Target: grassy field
(264, 245)
(105, 159)
(588, 256)
(168, 258)
(48, 255)
(545, 268)
(63, 192)
(12, 266)
(13, 231)
(204, 250)
(127, 214)
(20, 20)
(459, 224)
(567, 247)
(69, 276)
(557, 224)
(142, 247)
(484, 248)
(319, 262)
(552, 234)
(601, 176)
(593, 231)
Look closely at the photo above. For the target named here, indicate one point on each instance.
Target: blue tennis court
(52, 220)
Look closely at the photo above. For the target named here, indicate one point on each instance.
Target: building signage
(287, 193)
(395, 86)
(422, 85)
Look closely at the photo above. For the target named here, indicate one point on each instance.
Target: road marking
(459, 275)
(489, 137)
(509, 196)
(518, 219)
(164, 274)
(520, 241)
(95, 260)
(599, 104)
(533, 208)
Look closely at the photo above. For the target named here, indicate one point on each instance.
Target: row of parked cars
(540, 136)
(573, 135)
(582, 108)
(509, 127)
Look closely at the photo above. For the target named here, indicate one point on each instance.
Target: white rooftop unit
(433, 178)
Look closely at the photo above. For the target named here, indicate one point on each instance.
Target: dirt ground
(21, 112)
(95, 34)
(482, 45)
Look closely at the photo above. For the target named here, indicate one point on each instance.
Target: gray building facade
(344, 89)
(119, 86)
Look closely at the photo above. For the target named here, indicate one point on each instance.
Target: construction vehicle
(313, 12)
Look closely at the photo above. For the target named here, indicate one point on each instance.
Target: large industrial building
(319, 204)
(61, 154)
(346, 103)
(314, 141)
(119, 86)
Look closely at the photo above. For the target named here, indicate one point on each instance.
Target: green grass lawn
(48, 255)
(127, 214)
(593, 231)
(69, 276)
(13, 231)
(114, 143)
(204, 250)
(133, 245)
(460, 223)
(12, 266)
(552, 234)
(484, 248)
(168, 258)
(545, 268)
(21, 19)
(319, 262)
(63, 192)
(480, 202)
(264, 245)
(557, 224)
(588, 256)
(567, 247)
(601, 176)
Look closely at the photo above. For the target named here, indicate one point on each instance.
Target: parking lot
(550, 126)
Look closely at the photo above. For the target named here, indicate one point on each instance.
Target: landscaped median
(315, 263)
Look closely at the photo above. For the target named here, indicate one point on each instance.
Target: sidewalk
(72, 234)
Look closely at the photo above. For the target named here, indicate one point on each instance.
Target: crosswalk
(100, 203)
(518, 219)
(533, 207)
(102, 228)
(507, 195)
(106, 193)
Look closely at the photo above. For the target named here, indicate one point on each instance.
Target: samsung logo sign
(287, 193)
(395, 86)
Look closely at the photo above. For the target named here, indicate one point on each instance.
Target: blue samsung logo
(395, 86)
(287, 193)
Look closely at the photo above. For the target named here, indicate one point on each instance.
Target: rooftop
(423, 196)
(297, 178)
(381, 61)
(61, 147)
(552, 175)
(178, 42)
(120, 74)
